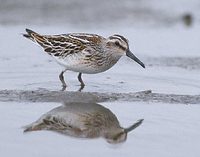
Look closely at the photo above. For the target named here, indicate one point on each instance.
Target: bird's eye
(117, 43)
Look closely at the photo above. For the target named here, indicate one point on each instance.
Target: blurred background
(99, 13)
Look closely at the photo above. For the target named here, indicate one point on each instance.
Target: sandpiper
(83, 120)
(83, 53)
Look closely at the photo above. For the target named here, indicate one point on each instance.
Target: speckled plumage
(81, 52)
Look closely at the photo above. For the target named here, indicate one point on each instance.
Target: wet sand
(84, 97)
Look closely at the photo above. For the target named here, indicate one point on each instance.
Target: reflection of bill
(81, 120)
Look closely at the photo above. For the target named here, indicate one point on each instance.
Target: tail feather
(33, 127)
(27, 129)
(30, 34)
(42, 40)
(34, 36)
(26, 35)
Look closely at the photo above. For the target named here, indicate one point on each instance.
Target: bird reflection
(89, 120)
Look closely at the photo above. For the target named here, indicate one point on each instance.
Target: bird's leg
(81, 81)
(61, 77)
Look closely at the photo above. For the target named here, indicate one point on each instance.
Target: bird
(83, 52)
(83, 120)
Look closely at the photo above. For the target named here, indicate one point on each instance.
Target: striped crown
(119, 42)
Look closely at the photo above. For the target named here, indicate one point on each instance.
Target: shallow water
(167, 130)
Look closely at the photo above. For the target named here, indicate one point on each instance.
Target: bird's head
(116, 136)
(120, 46)
(119, 135)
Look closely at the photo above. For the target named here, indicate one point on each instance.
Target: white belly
(79, 65)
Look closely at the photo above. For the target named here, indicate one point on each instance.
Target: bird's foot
(81, 88)
(63, 87)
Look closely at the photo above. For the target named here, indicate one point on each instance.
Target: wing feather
(65, 44)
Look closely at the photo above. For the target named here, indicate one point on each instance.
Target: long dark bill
(135, 125)
(132, 56)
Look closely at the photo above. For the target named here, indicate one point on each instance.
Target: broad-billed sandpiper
(83, 53)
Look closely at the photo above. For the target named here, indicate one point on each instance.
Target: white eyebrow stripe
(114, 36)
(124, 39)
